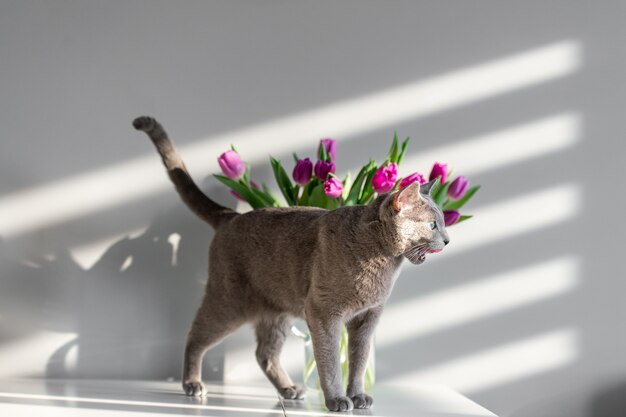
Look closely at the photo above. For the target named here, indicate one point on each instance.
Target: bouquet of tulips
(317, 185)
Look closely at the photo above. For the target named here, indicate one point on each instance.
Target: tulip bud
(410, 179)
(237, 195)
(458, 188)
(331, 147)
(232, 165)
(333, 187)
(439, 170)
(323, 168)
(302, 171)
(385, 178)
(450, 217)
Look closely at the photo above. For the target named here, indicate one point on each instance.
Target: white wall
(524, 312)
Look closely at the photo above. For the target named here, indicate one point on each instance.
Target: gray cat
(331, 268)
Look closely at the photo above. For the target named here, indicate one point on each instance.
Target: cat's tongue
(434, 251)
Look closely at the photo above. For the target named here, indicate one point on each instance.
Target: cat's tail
(196, 200)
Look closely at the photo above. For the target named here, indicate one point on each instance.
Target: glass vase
(310, 375)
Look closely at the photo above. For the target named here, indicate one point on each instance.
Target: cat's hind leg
(271, 334)
(213, 322)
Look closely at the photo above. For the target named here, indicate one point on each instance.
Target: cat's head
(415, 222)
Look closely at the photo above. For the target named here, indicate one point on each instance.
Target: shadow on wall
(130, 310)
(609, 401)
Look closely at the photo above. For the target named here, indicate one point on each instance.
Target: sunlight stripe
(88, 192)
(502, 364)
(476, 300)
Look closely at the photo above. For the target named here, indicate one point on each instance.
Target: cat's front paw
(294, 392)
(339, 404)
(362, 401)
(194, 389)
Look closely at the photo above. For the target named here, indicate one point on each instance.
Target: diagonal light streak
(501, 364)
(476, 300)
(502, 148)
(31, 209)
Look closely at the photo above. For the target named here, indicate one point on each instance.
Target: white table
(106, 398)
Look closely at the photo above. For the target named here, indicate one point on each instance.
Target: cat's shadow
(130, 311)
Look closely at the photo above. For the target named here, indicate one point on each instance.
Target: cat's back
(291, 220)
(282, 233)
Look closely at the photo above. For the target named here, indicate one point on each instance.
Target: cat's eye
(432, 225)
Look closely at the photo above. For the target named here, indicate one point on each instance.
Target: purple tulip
(385, 178)
(331, 147)
(333, 187)
(458, 188)
(410, 179)
(323, 168)
(450, 217)
(232, 165)
(302, 171)
(439, 170)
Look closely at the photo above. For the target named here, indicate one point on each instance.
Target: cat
(271, 265)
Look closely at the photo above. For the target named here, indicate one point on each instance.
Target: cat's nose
(446, 241)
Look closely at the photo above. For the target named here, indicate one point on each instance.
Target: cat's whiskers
(417, 251)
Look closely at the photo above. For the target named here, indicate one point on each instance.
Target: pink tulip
(232, 165)
(410, 179)
(333, 187)
(385, 178)
(439, 170)
(458, 188)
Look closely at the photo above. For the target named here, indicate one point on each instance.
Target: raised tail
(196, 200)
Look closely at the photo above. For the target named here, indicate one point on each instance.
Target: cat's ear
(427, 189)
(406, 198)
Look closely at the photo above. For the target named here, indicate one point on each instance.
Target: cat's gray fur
(331, 268)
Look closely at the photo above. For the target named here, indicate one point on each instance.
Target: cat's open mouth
(417, 255)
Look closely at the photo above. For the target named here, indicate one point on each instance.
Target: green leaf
(405, 144)
(309, 368)
(357, 186)
(319, 199)
(368, 191)
(246, 175)
(462, 219)
(368, 200)
(295, 158)
(233, 147)
(369, 376)
(343, 356)
(393, 151)
(323, 155)
(455, 205)
(440, 193)
(347, 183)
(267, 195)
(283, 181)
(243, 191)
(306, 192)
